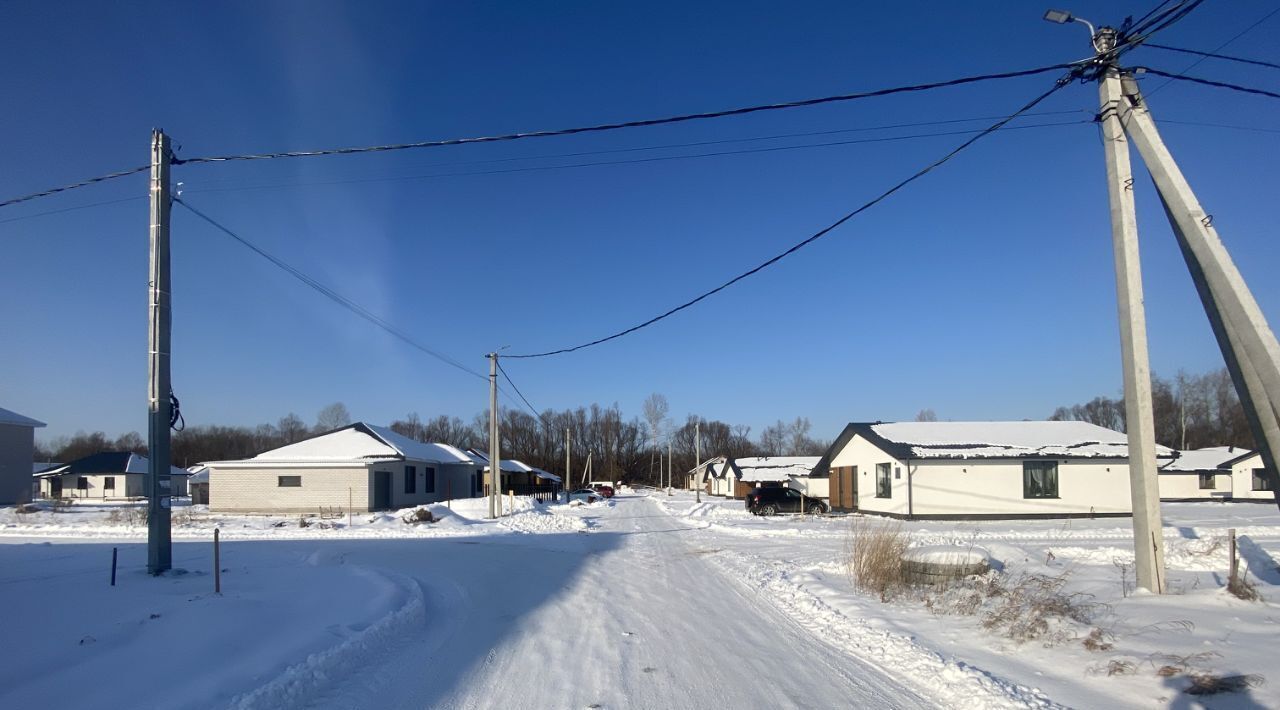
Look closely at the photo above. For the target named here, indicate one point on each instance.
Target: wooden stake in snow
(217, 564)
(114, 550)
(511, 500)
(349, 508)
(1234, 565)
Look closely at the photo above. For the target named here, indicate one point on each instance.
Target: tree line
(634, 449)
(1191, 412)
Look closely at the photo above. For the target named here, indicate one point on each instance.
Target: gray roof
(11, 417)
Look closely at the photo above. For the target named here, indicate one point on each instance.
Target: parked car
(586, 495)
(604, 490)
(771, 501)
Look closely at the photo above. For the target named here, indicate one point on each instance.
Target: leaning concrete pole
(1144, 491)
(1247, 342)
(159, 542)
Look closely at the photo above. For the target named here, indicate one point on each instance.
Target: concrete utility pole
(1247, 342)
(1139, 419)
(495, 462)
(159, 321)
(697, 459)
(568, 466)
(670, 468)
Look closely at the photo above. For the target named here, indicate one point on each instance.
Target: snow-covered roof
(972, 440)
(106, 462)
(11, 417)
(362, 442)
(37, 467)
(1210, 459)
(773, 468)
(518, 466)
(201, 476)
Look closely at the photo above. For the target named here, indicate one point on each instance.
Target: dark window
(1260, 480)
(82, 483)
(1206, 482)
(288, 481)
(430, 485)
(410, 479)
(791, 493)
(884, 482)
(109, 483)
(1040, 479)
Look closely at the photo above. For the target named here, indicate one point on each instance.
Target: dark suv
(771, 501)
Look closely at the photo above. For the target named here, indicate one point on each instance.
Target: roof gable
(8, 416)
(1213, 458)
(773, 468)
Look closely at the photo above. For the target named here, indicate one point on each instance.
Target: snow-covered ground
(644, 601)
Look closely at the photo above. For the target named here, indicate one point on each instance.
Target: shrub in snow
(419, 515)
(873, 556)
(1035, 607)
(24, 508)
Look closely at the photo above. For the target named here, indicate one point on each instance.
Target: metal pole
(1247, 342)
(217, 563)
(670, 468)
(697, 460)
(1139, 419)
(495, 462)
(159, 543)
(568, 471)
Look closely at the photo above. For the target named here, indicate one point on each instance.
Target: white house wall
(1242, 480)
(984, 486)
(811, 487)
(1186, 486)
(127, 485)
(250, 490)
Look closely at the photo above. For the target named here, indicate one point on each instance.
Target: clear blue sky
(984, 291)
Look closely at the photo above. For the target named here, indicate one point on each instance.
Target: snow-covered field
(648, 601)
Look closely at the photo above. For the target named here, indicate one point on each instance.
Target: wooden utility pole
(159, 541)
(1139, 418)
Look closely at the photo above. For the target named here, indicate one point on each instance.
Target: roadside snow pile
(541, 520)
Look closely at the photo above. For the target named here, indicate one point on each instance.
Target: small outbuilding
(198, 485)
(106, 475)
(360, 467)
(980, 470)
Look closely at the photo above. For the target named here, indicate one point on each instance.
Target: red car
(606, 491)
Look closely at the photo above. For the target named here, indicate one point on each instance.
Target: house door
(844, 488)
(55, 487)
(381, 490)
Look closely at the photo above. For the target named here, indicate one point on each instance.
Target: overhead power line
(72, 186)
(1209, 82)
(629, 161)
(819, 234)
(1220, 47)
(532, 409)
(1211, 55)
(683, 118)
(331, 294)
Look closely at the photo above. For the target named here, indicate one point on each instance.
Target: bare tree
(655, 413)
(926, 415)
(291, 428)
(333, 417)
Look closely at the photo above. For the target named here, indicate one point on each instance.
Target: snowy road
(631, 615)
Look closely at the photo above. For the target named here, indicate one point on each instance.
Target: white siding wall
(984, 487)
(811, 487)
(1186, 486)
(1242, 480)
(256, 490)
(126, 486)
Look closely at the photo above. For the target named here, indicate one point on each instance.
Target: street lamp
(1062, 17)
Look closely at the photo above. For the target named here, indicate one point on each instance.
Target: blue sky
(984, 291)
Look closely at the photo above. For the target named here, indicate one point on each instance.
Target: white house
(105, 475)
(784, 471)
(360, 466)
(1199, 474)
(700, 476)
(1249, 479)
(991, 470)
(17, 451)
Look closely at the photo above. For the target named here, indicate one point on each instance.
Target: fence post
(448, 494)
(113, 566)
(511, 500)
(217, 564)
(349, 507)
(1234, 565)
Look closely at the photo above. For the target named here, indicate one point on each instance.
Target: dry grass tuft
(1116, 666)
(1099, 640)
(874, 557)
(1209, 684)
(1034, 607)
(1242, 588)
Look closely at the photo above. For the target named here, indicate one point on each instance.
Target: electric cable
(1208, 82)
(1219, 48)
(330, 293)
(1059, 84)
(1212, 55)
(74, 185)
(532, 409)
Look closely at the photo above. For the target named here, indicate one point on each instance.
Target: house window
(884, 481)
(429, 486)
(109, 483)
(410, 479)
(1040, 479)
(1206, 482)
(288, 481)
(1260, 480)
(82, 483)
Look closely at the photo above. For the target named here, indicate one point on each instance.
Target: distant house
(700, 476)
(198, 484)
(991, 470)
(1215, 473)
(519, 477)
(782, 471)
(360, 467)
(105, 475)
(17, 451)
